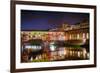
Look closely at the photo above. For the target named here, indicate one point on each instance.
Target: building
(68, 42)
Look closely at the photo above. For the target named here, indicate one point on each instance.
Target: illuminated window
(77, 36)
(70, 36)
(83, 35)
(78, 53)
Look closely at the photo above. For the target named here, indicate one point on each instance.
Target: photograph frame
(13, 35)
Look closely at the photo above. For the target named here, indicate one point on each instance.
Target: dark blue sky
(44, 20)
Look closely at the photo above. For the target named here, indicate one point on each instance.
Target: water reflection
(53, 51)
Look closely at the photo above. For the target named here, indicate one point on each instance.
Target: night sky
(45, 20)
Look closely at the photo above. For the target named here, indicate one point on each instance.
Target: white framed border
(20, 65)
